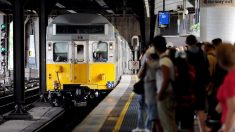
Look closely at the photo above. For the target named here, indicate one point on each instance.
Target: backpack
(200, 62)
(183, 86)
(184, 81)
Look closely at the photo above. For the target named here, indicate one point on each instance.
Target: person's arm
(166, 80)
(142, 71)
(218, 108)
(230, 118)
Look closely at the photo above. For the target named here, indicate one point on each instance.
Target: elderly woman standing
(226, 92)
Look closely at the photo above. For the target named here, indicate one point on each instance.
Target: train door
(81, 71)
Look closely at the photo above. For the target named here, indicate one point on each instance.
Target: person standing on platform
(141, 98)
(216, 80)
(164, 76)
(226, 93)
(198, 59)
(152, 63)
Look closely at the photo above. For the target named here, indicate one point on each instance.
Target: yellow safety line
(123, 113)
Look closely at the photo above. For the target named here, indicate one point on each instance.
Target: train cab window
(60, 52)
(80, 53)
(100, 52)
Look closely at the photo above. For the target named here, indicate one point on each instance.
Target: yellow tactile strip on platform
(117, 117)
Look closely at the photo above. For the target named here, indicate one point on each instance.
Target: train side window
(100, 52)
(80, 53)
(60, 52)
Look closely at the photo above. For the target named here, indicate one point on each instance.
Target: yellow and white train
(85, 55)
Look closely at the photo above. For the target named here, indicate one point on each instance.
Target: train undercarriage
(74, 95)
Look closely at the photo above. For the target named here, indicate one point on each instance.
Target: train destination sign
(218, 3)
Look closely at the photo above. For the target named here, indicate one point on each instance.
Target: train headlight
(111, 46)
(49, 46)
(110, 84)
(96, 94)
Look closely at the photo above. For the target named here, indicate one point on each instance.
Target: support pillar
(19, 67)
(217, 21)
(147, 29)
(163, 5)
(142, 32)
(152, 20)
(43, 18)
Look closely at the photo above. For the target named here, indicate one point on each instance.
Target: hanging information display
(163, 19)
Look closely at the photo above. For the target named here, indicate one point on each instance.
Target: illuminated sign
(163, 19)
(208, 3)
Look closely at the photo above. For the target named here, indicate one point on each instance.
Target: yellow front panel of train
(94, 75)
(59, 73)
(81, 73)
(101, 73)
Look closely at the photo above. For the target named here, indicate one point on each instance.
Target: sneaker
(138, 130)
(147, 130)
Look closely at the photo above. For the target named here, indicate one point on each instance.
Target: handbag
(138, 87)
(186, 101)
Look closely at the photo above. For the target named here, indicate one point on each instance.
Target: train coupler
(76, 95)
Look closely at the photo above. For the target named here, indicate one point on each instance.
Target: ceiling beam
(153, 18)
(7, 2)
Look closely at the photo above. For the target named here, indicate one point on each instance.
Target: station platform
(117, 112)
(41, 113)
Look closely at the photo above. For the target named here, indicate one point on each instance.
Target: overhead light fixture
(2, 13)
(146, 2)
(110, 11)
(71, 11)
(59, 5)
(102, 3)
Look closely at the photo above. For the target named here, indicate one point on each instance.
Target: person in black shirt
(213, 120)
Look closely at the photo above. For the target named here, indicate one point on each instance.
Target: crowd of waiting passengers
(187, 86)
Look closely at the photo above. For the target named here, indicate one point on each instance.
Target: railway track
(7, 95)
(70, 118)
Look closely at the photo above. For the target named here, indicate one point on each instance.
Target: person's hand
(160, 96)
(218, 108)
(209, 88)
(220, 130)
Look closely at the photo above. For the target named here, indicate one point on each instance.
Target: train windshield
(100, 52)
(60, 52)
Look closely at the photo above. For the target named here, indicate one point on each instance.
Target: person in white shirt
(164, 76)
(142, 107)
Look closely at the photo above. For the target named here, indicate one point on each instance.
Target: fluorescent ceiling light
(59, 5)
(102, 3)
(71, 11)
(110, 11)
(2, 13)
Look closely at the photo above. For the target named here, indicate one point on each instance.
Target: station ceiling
(104, 7)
